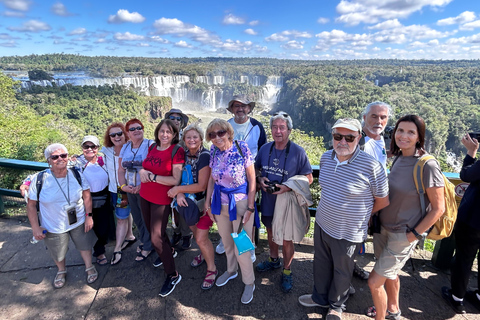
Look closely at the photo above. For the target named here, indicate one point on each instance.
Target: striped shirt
(348, 192)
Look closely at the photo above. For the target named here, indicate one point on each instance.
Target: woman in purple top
(231, 199)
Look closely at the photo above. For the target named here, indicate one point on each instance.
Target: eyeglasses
(175, 118)
(63, 156)
(348, 137)
(89, 146)
(118, 134)
(131, 129)
(212, 135)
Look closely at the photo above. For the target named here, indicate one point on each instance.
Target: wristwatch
(416, 234)
(251, 209)
(90, 214)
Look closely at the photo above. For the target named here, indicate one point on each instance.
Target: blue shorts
(120, 213)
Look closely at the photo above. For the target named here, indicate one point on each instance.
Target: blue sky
(302, 29)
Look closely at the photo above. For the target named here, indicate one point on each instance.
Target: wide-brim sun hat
(183, 115)
(242, 99)
(348, 123)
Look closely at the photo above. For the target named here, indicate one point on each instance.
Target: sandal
(59, 282)
(371, 312)
(198, 260)
(361, 273)
(127, 243)
(102, 262)
(140, 248)
(393, 315)
(114, 260)
(92, 277)
(142, 256)
(209, 280)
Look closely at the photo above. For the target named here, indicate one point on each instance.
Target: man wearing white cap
(353, 185)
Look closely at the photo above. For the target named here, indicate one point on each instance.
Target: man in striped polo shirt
(353, 185)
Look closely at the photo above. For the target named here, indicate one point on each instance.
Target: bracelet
(206, 209)
(123, 185)
(251, 209)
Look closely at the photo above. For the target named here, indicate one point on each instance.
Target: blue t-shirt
(275, 167)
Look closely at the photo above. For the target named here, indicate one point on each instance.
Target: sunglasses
(118, 134)
(63, 156)
(212, 135)
(89, 146)
(285, 115)
(348, 137)
(135, 128)
(175, 118)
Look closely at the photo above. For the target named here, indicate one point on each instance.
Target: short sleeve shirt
(132, 158)
(278, 166)
(376, 148)
(198, 162)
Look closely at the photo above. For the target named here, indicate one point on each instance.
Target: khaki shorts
(57, 243)
(392, 251)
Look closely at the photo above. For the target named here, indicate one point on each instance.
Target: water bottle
(33, 241)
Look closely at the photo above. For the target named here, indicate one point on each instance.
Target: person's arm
(208, 198)
(33, 218)
(380, 203)
(172, 180)
(87, 202)
(201, 185)
(252, 188)
(471, 168)
(436, 196)
(121, 178)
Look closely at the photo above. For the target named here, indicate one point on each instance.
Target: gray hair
(380, 104)
(284, 116)
(52, 148)
(194, 126)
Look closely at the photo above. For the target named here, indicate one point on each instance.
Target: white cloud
(433, 43)
(287, 35)
(276, 37)
(78, 31)
(254, 23)
(127, 36)
(32, 26)
(15, 14)
(236, 45)
(232, 19)
(159, 39)
(178, 28)
(142, 44)
(464, 40)
(182, 44)
(250, 32)
(470, 25)
(293, 45)
(101, 40)
(60, 10)
(8, 44)
(123, 16)
(463, 17)
(389, 24)
(20, 5)
(354, 12)
(322, 20)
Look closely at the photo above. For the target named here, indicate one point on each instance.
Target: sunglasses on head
(135, 128)
(118, 134)
(175, 118)
(285, 115)
(213, 134)
(63, 156)
(89, 146)
(348, 137)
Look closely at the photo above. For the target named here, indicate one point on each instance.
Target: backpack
(174, 151)
(41, 179)
(443, 227)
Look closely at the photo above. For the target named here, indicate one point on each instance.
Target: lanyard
(284, 161)
(135, 154)
(60, 187)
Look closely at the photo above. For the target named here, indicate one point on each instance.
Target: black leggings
(101, 225)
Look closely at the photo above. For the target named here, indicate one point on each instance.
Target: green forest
(445, 93)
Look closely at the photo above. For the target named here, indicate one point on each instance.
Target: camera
(474, 135)
(387, 133)
(271, 188)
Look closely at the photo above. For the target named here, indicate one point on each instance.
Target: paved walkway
(130, 289)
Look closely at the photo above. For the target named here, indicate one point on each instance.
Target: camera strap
(287, 151)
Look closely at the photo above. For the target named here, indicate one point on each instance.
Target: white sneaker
(220, 249)
(253, 256)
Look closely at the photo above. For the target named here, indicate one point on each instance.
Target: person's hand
(38, 233)
(136, 190)
(470, 144)
(24, 188)
(88, 223)
(247, 216)
(208, 211)
(283, 189)
(411, 237)
(173, 192)
(261, 182)
(127, 189)
(145, 176)
(181, 201)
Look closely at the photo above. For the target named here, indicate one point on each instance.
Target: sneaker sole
(175, 254)
(247, 302)
(173, 288)
(228, 279)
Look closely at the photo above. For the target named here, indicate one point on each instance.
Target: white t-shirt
(240, 130)
(376, 148)
(53, 216)
(96, 176)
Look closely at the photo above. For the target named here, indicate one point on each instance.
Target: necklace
(276, 159)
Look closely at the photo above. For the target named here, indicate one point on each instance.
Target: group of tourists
(142, 180)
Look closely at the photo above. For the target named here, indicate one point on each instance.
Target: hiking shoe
(247, 295)
(175, 239)
(268, 265)
(307, 301)
(220, 249)
(225, 277)
(287, 282)
(169, 285)
(158, 262)
(456, 305)
(187, 242)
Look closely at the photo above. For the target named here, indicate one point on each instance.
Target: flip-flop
(128, 243)
(114, 258)
(140, 248)
(143, 258)
(102, 262)
(197, 260)
(60, 282)
(371, 312)
(209, 281)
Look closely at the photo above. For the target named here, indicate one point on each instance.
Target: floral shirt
(229, 169)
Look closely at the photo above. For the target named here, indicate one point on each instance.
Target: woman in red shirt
(162, 169)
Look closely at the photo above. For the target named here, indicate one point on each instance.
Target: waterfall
(271, 90)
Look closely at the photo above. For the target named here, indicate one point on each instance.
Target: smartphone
(475, 135)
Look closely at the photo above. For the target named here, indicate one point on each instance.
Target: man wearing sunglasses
(354, 185)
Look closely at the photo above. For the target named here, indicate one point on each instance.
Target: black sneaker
(187, 242)
(158, 262)
(175, 239)
(456, 305)
(169, 285)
